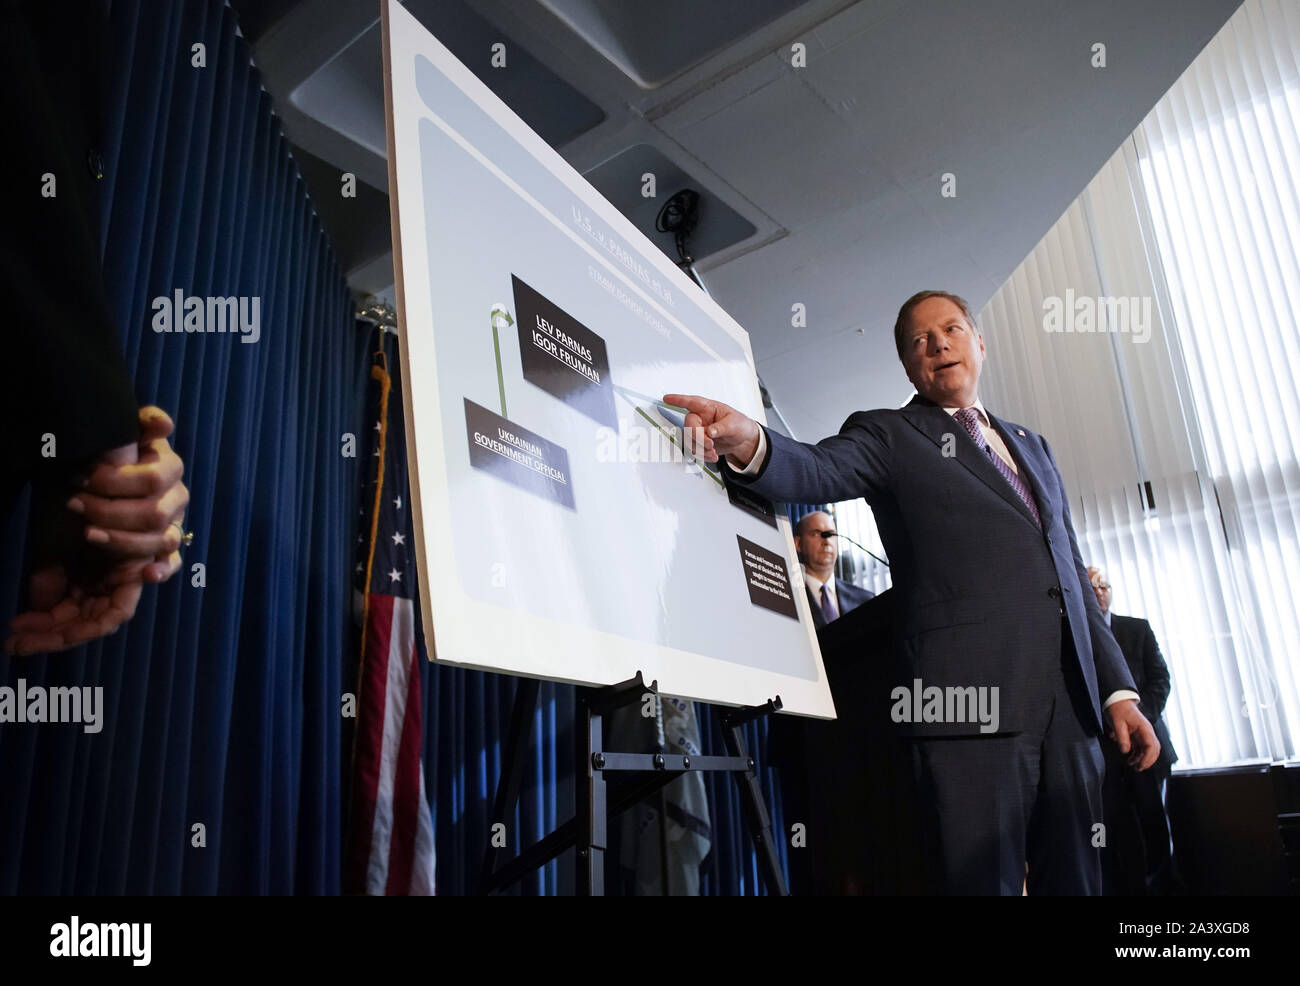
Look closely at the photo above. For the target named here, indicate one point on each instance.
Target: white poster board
(560, 532)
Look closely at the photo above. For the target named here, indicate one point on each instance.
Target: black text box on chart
(562, 356)
(501, 447)
(767, 578)
(747, 500)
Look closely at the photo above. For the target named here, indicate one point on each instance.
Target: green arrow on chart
(628, 392)
(704, 466)
(499, 312)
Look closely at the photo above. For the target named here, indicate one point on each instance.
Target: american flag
(391, 850)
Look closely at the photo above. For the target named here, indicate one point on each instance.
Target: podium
(851, 779)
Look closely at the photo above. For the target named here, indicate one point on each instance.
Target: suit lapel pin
(1020, 432)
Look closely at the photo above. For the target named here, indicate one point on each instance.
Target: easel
(587, 832)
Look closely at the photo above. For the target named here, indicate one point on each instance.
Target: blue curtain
(467, 719)
(222, 702)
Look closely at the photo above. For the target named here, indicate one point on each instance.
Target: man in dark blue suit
(1141, 860)
(994, 609)
(829, 596)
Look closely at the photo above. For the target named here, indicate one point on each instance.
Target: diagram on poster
(562, 528)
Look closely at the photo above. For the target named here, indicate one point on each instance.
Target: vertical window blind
(1152, 337)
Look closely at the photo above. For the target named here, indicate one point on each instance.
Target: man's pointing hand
(713, 429)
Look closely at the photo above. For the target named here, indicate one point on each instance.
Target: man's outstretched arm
(844, 466)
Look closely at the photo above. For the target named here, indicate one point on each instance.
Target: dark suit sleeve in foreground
(853, 463)
(64, 374)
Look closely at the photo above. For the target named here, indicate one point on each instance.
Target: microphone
(871, 553)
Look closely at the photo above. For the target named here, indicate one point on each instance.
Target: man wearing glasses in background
(818, 546)
(1140, 860)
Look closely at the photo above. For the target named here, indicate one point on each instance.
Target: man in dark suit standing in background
(829, 596)
(789, 747)
(993, 609)
(1141, 860)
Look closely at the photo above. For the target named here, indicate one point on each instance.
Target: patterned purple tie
(829, 612)
(969, 418)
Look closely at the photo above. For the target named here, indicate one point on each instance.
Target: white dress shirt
(990, 434)
(815, 584)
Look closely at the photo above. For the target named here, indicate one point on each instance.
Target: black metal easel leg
(588, 832)
(751, 796)
(590, 815)
(513, 760)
